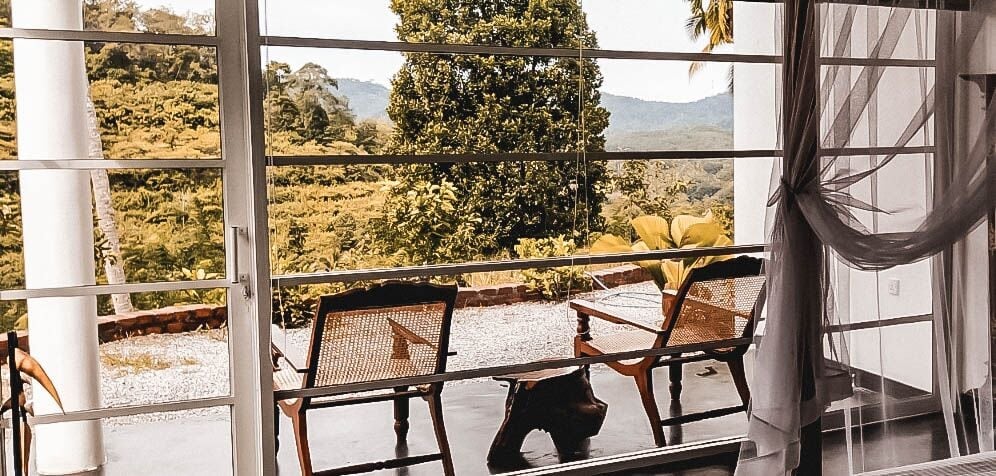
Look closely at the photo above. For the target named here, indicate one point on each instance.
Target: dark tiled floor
(474, 410)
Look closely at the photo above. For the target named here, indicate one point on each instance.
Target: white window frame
(238, 45)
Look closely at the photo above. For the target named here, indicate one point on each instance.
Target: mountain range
(634, 124)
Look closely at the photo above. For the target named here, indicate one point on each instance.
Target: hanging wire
(270, 185)
(580, 155)
(581, 184)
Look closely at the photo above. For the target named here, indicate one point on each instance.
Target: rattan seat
(711, 317)
(623, 341)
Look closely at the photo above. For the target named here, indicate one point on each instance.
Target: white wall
(755, 116)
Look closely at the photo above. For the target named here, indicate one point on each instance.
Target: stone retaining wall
(176, 319)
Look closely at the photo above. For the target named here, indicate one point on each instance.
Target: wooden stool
(558, 401)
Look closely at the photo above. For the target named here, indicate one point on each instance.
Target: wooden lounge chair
(390, 330)
(714, 310)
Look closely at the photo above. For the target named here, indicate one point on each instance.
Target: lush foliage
(713, 20)
(552, 283)
(424, 223)
(490, 104)
(684, 231)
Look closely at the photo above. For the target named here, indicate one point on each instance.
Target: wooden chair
(390, 330)
(714, 310)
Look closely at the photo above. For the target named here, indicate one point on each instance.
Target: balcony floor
(473, 411)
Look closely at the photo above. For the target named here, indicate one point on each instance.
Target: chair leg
(401, 411)
(436, 412)
(674, 375)
(276, 428)
(645, 384)
(740, 379)
(300, 422)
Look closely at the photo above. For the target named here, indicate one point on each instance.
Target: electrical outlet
(894, 286)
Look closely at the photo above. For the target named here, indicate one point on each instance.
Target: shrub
(421, 224)
(552, 283)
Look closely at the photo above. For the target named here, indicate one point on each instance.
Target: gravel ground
(174, 367)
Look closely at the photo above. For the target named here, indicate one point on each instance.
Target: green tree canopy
(491, 104)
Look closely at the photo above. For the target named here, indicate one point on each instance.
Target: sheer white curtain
(877, 269)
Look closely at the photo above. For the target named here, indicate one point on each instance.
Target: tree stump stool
(557, 401)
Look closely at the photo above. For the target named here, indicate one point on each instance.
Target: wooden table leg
(514, 428)
(563, 406)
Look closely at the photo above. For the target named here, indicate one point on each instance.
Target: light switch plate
(894, 286)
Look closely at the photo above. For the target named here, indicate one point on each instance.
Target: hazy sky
(618, 24)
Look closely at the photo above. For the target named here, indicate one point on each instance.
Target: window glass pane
(855, 116)
(149, 101)
(642, 25)
(861, 31)
(352, 102)
(150, 225)
(338, 102)
(174, 348)
(660, 105)
(188, 17)
(185, 442)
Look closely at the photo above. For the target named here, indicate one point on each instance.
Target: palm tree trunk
(113, 267)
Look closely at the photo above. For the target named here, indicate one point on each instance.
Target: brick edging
(511, 293)
(171, 319)
(192, 317)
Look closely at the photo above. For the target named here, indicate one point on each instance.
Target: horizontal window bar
(437, 48)
(504, 369)
(96, 164)
(884, 62)
(102, 289)
(504, 265)
(859, 151)
(297, 160)
(640, 459)
(895, 321)
(130, 410)
(109, 36)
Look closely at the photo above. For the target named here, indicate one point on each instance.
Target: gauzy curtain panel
(887, 168)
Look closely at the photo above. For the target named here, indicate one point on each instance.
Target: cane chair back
(715, 303)
(389, 330)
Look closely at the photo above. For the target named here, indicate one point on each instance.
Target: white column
(755, 114)
(58, 230)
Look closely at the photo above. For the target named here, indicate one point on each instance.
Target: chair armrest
(409, 335)
(586, 308)
(403, 337)
(297, 359)
(669, 298)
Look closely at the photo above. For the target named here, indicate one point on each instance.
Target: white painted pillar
(755, 116)
(58, 230)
